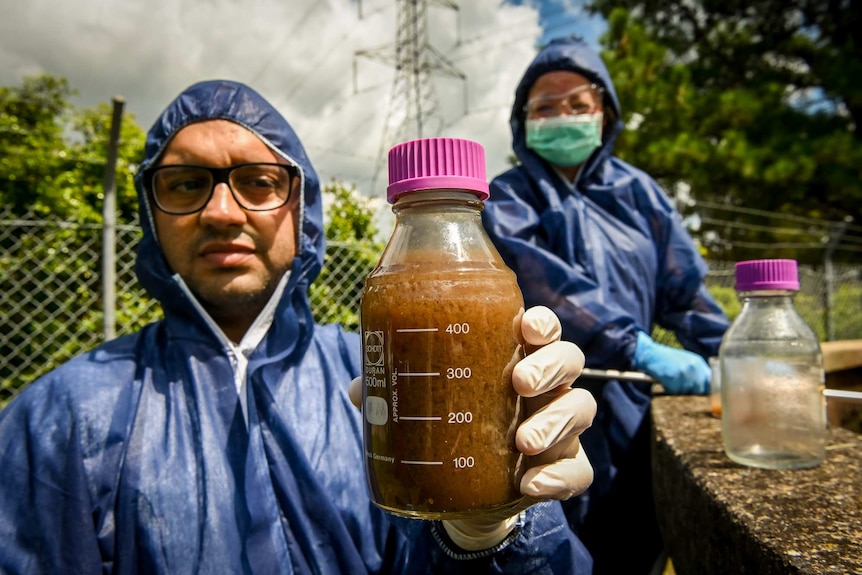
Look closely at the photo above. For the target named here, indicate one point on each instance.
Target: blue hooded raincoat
(137, 457)
(610, 256)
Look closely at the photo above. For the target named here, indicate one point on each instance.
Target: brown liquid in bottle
(440, 410)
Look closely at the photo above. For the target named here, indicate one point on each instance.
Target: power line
(782, 245)
(476, 112)
(323, 150)
(493, 33)
(438, 63)
(413, 99)
(363, 15)
(757, 228)
(570, 20)
(368, 118)
(832, 234)
(773, 215)
(287, 37)
(316, 67)
(771, 245)
(820, 226)
(348, 98)
(852, 239)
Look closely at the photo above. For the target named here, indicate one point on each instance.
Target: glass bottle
(439, 316)
(772, 378)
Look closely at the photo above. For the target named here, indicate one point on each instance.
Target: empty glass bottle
(772, 380)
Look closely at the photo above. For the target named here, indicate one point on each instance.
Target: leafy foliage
(743, 104)
(53, 159)
(351, 233)
(85, 181)
(31, 137)
(52, 166)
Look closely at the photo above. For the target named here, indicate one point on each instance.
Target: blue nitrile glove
(679, 371)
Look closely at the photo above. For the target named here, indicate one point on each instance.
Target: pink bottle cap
(759, 275)
(437, 163)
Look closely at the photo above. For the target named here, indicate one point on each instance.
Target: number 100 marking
(464, 462)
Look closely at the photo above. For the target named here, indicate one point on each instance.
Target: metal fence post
(829, 274)
(109, 226)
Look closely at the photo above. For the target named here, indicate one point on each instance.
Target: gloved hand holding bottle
(679, 371)
(557, 415)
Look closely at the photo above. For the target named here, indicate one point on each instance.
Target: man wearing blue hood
(222, 439)
(599, 242)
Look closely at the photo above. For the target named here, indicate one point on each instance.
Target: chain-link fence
(51, 286)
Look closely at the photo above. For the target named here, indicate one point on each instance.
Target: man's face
(229, 257)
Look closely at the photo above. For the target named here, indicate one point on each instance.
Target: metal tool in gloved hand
(636, 376)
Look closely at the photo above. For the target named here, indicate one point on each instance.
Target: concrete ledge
(842, 361)
(841, 355)
(719, 517)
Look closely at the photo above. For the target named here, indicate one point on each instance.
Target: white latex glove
(550, 435)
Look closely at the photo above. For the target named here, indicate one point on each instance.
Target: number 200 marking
(460, 417)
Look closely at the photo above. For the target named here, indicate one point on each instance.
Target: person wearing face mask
(599, 242)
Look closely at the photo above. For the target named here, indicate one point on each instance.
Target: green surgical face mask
(565, 141)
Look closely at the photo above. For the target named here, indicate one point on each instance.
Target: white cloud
(298, 53)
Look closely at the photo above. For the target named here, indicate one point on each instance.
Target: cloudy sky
(300, 54)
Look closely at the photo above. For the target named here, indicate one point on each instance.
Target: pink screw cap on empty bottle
(759, 275)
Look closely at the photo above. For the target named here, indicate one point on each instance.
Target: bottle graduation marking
(408, 330)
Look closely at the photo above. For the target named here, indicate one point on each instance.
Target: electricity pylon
(413, 107)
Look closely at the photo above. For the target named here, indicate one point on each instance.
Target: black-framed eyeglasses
(185, 189)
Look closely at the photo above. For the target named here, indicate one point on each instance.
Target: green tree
(31, 138)
(81, 185)
(799, 44)
(744, 104)
(52, 166)
(54, 154)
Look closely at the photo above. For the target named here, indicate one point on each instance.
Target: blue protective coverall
(610, 256)
(136, 457)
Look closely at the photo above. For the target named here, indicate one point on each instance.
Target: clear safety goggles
(585, 99)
